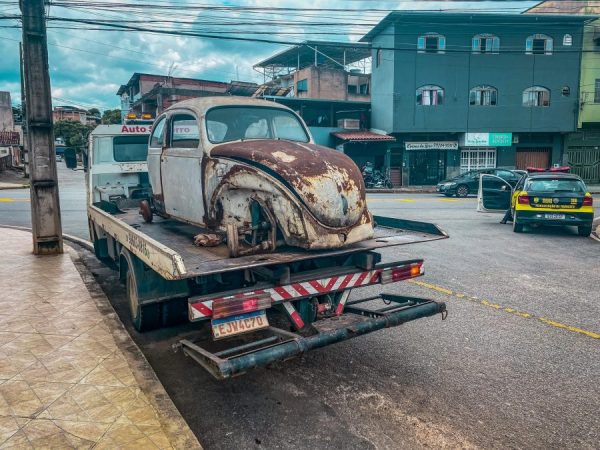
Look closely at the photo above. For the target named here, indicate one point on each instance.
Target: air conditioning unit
(349, 124)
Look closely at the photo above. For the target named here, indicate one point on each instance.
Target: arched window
(378, 58)
(567, 40)
(431, 43)
(485, 43)
(430, 95)
(483, 96)
(536, 96)
(539, 44)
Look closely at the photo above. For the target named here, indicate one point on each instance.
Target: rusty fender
(298, 224)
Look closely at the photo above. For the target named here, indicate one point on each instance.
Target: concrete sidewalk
(70, 375)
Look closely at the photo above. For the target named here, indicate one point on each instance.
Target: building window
(363, 89)
(485, 43)
(539, 44)
(536, 96)
(431, 43)
(483, 96)
(567, 40)
(378, 58)
(430, 95)
(597, 91)
(302, 85)
(352, 89)
(566, 91)
(477, 158)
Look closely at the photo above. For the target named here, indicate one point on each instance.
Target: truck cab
(117, 167)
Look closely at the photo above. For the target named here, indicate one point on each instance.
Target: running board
(273, 344)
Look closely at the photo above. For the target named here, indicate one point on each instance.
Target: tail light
(402, 273)
(587, 201)
(523, 199)
(240, 304)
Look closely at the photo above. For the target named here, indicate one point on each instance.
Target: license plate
(554, 216)
(228, 326)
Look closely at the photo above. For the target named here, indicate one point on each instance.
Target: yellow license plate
(229, 326)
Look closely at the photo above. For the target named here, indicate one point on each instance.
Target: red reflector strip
(253, 301)
(202, 308)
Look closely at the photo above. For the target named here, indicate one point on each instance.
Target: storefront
(366, 147)
(480, 150)
(426, 163)
(583, 155)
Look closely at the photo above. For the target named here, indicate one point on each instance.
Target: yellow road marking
(11, 200)
(449, 200)
(498, 307)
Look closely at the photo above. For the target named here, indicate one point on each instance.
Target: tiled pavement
(70, 375)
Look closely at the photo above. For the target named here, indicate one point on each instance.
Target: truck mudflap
(273, 344)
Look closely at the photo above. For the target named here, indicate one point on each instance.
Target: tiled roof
(362, 136)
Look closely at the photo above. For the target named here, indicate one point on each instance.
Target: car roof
(555, 175)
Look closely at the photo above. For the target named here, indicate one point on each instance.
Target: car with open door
(540, 197)
(468, 182)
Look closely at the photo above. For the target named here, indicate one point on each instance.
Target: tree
(111, 116)
(74, 133)
(94, 112)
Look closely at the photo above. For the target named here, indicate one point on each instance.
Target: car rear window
(555, 185)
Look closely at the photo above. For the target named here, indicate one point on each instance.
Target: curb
(400, 191)
(15, 186)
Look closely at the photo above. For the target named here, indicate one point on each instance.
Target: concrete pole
(45, 207)
(23, 115)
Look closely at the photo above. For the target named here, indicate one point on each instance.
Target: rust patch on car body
(325, 180)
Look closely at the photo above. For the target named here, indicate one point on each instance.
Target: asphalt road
(515, 365)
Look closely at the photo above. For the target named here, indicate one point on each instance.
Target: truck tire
(584, 230)
(517, 227)
(143, 317)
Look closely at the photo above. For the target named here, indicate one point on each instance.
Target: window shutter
(441, 43)
(421, 43)
(549, 46)
(475, 44)
(496, 44)
(529, 45)
(472, 97)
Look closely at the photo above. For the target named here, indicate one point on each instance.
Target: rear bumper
(571, 218)
(354, 322)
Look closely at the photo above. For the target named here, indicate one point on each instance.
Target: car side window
(158, 134)
(184, 131)
(506, 174)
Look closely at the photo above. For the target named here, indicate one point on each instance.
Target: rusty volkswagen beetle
(249, 170)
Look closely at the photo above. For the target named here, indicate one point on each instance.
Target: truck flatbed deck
(174, 240)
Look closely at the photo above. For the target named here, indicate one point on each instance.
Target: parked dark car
(468, 182)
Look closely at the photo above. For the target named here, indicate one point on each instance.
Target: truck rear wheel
(144, 317)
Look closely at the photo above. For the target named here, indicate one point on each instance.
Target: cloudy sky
(88, 64)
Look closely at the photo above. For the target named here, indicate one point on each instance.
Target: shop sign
(487, 140)
(432, 145)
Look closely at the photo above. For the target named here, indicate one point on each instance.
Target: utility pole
(23, 114)
(45, 207)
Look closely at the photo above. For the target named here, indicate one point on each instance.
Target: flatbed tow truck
(284, 303)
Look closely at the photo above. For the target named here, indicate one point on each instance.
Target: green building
(583, 146)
